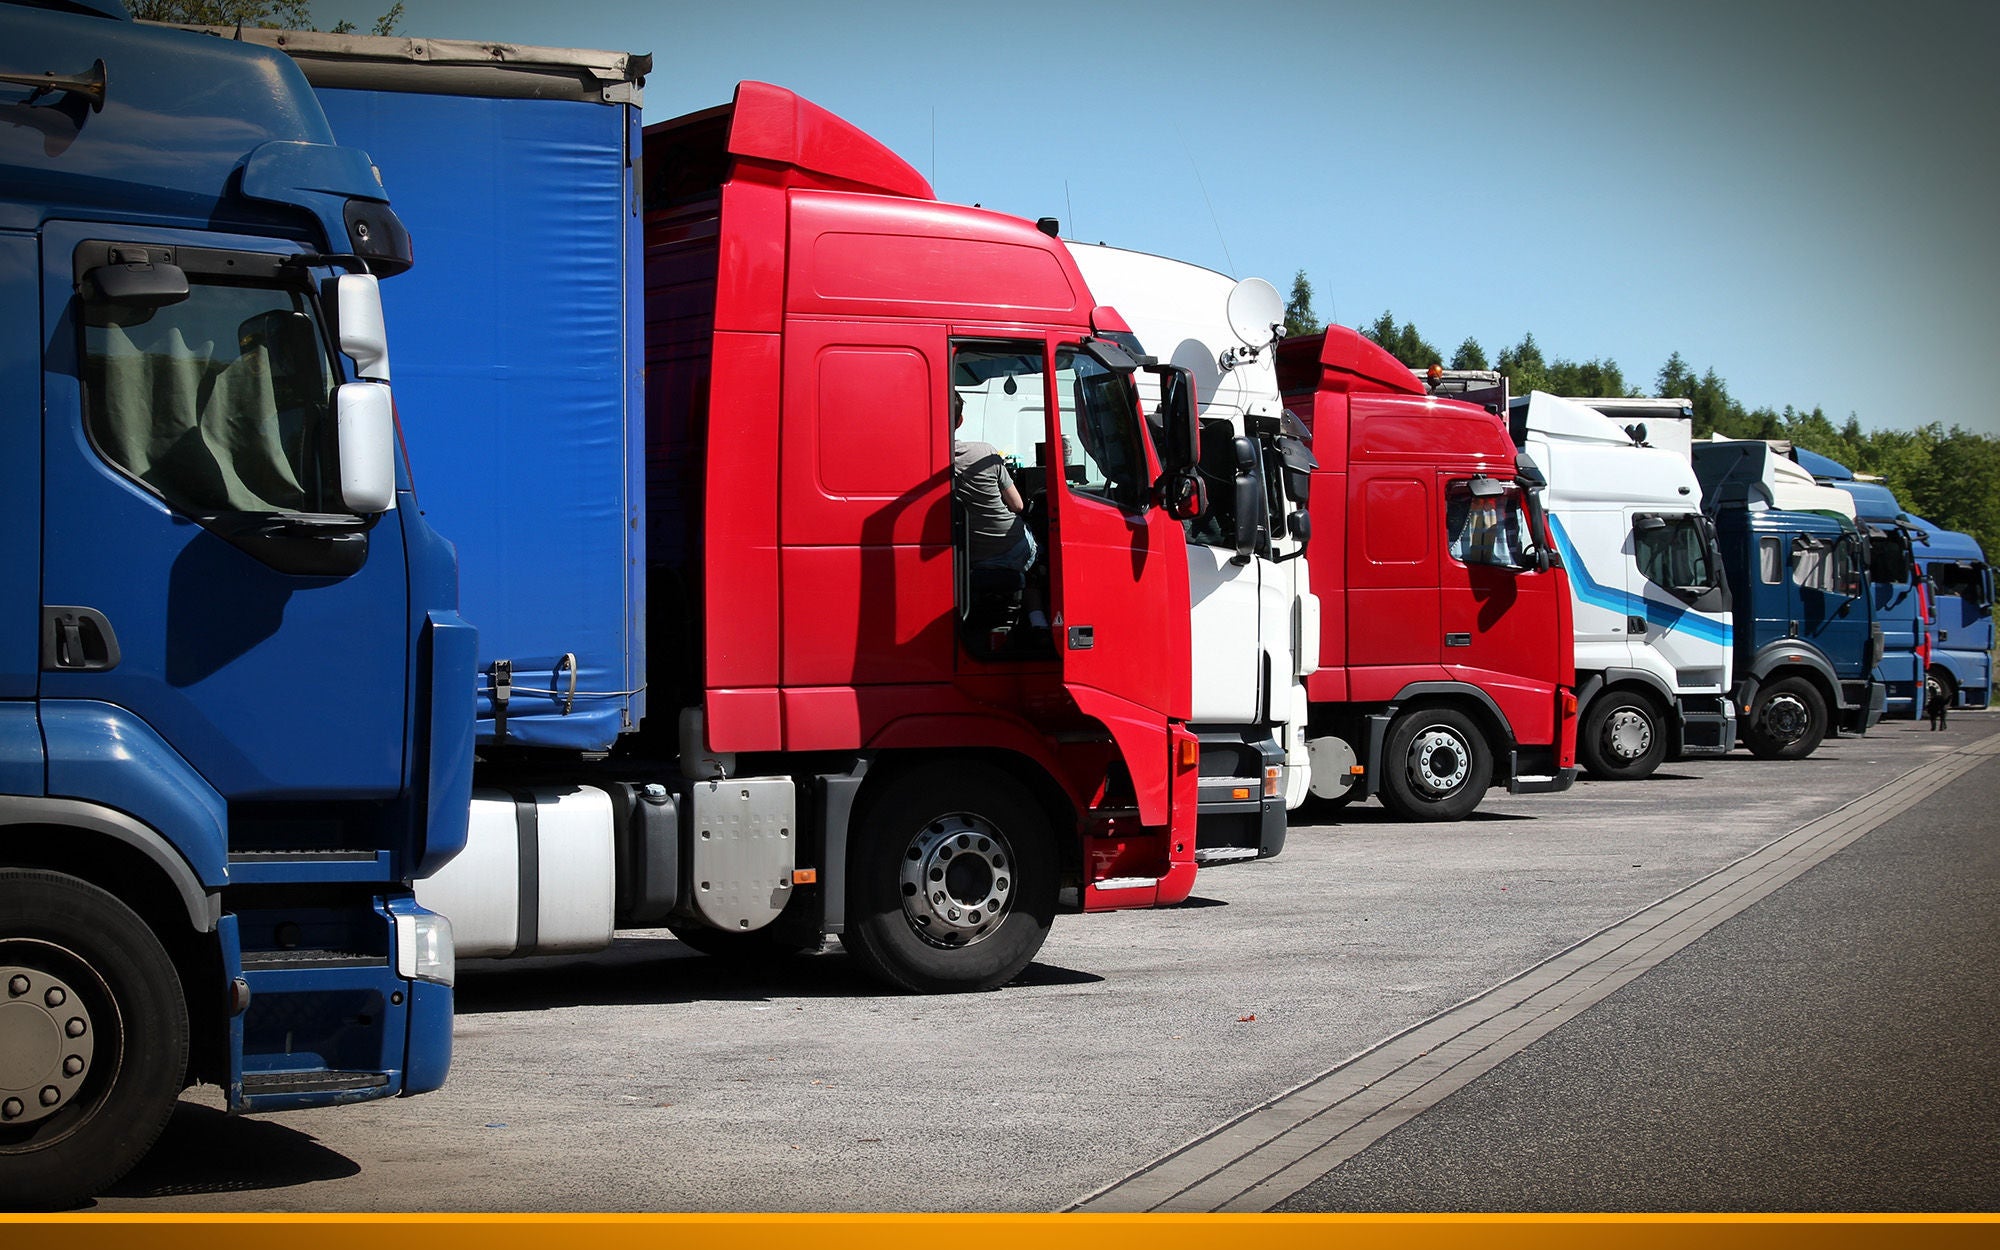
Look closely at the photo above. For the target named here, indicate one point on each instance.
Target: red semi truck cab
(816, 323)
(1446, 659)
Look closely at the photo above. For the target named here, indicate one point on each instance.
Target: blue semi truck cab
(1892, 581)
(1961, 592)
(1806, 642)
(235, 694)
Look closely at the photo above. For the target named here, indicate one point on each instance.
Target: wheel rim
(1439, 761)
(957, 880)
(1786, 718)
(48, 1035)
(1628, 733)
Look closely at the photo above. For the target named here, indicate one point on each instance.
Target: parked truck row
(798, 555)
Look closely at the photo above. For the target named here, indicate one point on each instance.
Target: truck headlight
(423, 948)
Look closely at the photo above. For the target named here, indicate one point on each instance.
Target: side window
(1672, 553)
(1828, 566)
(1102, 452)
(219, 402)
(1771, 561)
(1485, 529)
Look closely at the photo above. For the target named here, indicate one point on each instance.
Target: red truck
(691, 397)
(1445, 656)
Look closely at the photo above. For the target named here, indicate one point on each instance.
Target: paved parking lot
(648, 1078)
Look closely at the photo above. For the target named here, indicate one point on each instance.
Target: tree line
(1947, 476)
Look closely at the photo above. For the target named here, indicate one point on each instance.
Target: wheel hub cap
(1785, 718)
(957, 880)
(1629, 734)
(1438, 761)
(46, 1045)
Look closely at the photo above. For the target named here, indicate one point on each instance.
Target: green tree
(1402, 341)
(1299, 315)
(1470, 355)
(279, 14)
(1524, 366)
(1591, 379)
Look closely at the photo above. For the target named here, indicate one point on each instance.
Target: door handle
(1635, 624)
(1082, 637)
(1458, 640)
(77, 640)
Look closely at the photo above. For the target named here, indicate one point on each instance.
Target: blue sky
(1802, 196)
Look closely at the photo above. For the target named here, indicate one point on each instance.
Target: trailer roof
(453, 66)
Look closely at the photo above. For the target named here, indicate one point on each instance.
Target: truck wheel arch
(1787, 657)
(113, 850)
(1467, 697)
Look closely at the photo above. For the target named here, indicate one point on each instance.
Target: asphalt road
(651, 1079)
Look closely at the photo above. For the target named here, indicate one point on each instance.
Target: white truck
(1255, 619)
(1652, 607)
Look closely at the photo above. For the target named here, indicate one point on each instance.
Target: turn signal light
(1272, 774)
(1569, 703)
(1190, 752)
(1240, 792)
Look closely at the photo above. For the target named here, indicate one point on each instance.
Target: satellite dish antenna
(1255, 312)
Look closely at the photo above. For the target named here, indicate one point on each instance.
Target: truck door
(20, 519)
(1830, 593)
(197, 570)
(1497, 614)
(1225, 593)
(1679, 585)
(1120, 566)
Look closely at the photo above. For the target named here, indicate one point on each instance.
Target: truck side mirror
(1180, 488)
(365, 422)
(1253, 527)
(364, 337)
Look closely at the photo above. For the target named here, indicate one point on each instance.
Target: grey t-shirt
(978, 475)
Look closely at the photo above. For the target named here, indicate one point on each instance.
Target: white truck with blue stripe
(1652, 610)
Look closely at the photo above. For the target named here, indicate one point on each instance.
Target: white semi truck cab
(1255, 619)
(1652, 606)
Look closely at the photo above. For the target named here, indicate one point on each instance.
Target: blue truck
(1806, 642)
(235, 710)
(1892, 581)
(1961, 593)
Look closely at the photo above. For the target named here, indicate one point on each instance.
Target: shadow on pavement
(648, 969)
(207, 1151)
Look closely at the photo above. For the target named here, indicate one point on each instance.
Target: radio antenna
(1230, 260)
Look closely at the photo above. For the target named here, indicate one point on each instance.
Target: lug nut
(50, 1095)
(17, 986)
(55, 997)
(11, 1109)
(72, 1066)
(74, 1027)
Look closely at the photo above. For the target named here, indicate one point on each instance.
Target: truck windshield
(1674, 554)
(219, 402)
(1103, 455)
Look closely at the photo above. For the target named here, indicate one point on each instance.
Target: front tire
(952, 880)
(1436, 765)
(1787, 721)
(1623, 737)
(93, 1039)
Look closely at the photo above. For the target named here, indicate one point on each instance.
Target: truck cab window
(1674, 554)
(1102, 452)
(1771, 561)
(219, 403)
(1486, 529)
(1825, 565)
(999, 495)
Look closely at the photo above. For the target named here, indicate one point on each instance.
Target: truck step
(311, 855)
(1223, 854)
(291, 960)
(281, 1082)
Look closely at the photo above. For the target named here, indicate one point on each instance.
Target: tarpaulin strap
(503, 690)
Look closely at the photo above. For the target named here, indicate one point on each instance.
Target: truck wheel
(952, 883)
(1624, 736)
(93, 1039)
(1787, 721)
(1436, 765)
